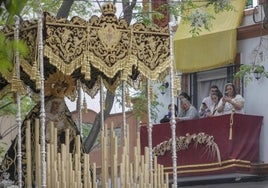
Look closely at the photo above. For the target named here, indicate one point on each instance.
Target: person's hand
(227, 99)
(203, 108)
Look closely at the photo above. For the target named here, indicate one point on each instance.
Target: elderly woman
(231, 102)
(189, 111)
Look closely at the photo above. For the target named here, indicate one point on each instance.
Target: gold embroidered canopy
(102, 47)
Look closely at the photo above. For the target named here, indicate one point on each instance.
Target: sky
(93, 104)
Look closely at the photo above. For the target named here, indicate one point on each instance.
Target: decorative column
(150, 126)
(18, 117)
(102, 105)
(79, 101)
(173, 121)
(123, 108)
(42, 99)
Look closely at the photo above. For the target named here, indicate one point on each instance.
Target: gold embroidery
(104, 46)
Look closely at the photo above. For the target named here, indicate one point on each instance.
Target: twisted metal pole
(42, 98)
(149, 127)
(123, 108)
(80, 116)
(173, 121)
(18, 116)
(101, 105)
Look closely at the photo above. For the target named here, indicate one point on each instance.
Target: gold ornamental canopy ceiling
(103, 47)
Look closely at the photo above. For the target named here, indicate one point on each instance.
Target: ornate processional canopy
(102, 47)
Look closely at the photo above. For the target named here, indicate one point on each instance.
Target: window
(251, 3)
(201, 82)
(208, 78)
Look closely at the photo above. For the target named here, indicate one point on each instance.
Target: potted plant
(248, 72)
(163, 88)
(258, 71)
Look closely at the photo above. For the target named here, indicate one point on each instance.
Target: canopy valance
(102, 47)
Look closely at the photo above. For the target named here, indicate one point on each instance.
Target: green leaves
(5, 55)
(140, 105)
(220, 5)
(197, 13)
(8, 105)
(7, 51)
(199, 20)
(13, 7)
(246, 72)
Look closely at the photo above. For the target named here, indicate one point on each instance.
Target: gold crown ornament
(108, 9)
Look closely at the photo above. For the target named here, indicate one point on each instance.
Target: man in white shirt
(208, 99)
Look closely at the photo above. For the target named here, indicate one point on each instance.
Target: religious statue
(56, 112)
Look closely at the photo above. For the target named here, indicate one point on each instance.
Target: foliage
(9, 106)
(7, 51)
(86, 130)
(201, 19)
(246, 72)
(139, 101)
(220, 5)
(140, 105)
(195, 13)
(29, 9)
(142, 17)
(79, 8)
(9, 9)
(162, 88)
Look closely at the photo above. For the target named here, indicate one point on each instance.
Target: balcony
(210, 148)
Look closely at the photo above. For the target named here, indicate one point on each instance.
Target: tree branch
(65, 9)
(94, 132)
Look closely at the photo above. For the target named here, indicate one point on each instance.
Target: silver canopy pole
(18, 118)
(42, 99)
(150, 126)
(123, 108)
(102, 105)
(173, 121)
(80, 117)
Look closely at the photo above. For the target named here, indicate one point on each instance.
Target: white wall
(164, 99)
(255, 93)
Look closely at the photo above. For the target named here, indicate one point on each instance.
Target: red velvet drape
(236, 153)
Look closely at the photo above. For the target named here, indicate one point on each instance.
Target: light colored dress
(214, 111)
(228, 108)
